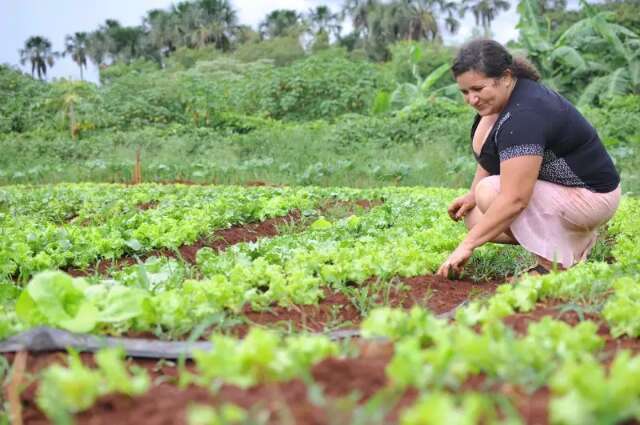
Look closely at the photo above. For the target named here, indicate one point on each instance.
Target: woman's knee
(485, 193)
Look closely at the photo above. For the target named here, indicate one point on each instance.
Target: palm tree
(97, 45)
(112, 42)
(221, 22)
(197, 24)
(322, 21)
(280, 23)
(37, 50)
(76, 46)
(161, 30)
(484, 11)
(359, 11)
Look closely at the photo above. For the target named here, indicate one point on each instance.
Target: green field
(280, 210)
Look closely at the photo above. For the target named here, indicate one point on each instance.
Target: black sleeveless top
(539, 121)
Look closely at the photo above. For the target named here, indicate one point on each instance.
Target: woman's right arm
(462, 205)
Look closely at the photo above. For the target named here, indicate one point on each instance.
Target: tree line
(200, 23)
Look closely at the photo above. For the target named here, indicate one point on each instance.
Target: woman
(543, 178)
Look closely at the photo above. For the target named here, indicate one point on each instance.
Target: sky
(54, 19)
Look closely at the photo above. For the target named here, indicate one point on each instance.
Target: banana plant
(622, 64)
(575, 63)
(407, 93)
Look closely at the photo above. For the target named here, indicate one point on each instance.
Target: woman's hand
(461, 206)
(455, 262)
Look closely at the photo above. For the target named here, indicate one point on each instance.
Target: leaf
(416, 54)
(120, 304)
(321, 224)
(134, 244)
(592, 91)
(578, 30)
(617, 83)
(382, 102)
(84, 320)
(634, 71)
(57, 299)
(404, 95)
(605, 30)
(113, 369)
(434, 77)
(570, 57)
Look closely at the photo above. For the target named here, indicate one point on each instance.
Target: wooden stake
(137, 169)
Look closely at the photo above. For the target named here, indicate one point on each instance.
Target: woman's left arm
(517, 179)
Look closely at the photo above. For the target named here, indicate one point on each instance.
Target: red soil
(336, 309)
(147, 205)
(520, 321)
(165, 403)
(363, 375)
(219, 241)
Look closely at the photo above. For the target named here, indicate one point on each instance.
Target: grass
(494, 261)
(300, 154)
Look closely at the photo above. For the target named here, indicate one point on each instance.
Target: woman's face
(486, 95)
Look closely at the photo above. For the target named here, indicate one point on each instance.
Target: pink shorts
(561, 223)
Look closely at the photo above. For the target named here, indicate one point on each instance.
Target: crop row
(51, 227)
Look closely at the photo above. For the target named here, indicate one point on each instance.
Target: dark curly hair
(491, 59)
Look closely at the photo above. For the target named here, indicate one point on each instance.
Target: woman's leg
(485, 195)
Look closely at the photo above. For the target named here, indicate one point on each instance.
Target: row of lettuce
(407, 235)
(430, 355)
(54, 227)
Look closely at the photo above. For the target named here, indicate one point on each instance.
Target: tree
(547, 6)
(203, 22)
(112, 42)
(359, 11)
(405, 20)
(162, 31)
(37, 51)
(484, 11)
(76, 46)
(281, 23)
(322, 20)
(216, 23)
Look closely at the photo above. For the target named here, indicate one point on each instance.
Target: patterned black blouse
(539, 121)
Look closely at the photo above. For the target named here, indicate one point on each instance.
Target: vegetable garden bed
(554, 349)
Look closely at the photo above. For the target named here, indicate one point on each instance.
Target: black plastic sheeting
(43, 339)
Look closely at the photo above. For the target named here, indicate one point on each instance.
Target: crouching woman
(543, 179)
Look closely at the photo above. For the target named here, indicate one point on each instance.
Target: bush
(281, 50)
(433, 55)
(618, 121)
(322, 86)
(22, 100)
